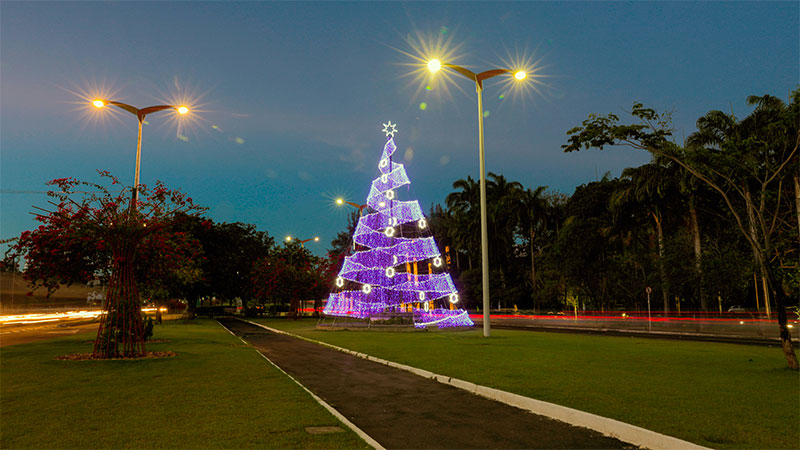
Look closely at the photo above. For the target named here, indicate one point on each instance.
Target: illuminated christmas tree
(396, 267)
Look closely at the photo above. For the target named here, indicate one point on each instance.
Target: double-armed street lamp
(140, 114)
(302, 241)
(360, 208)
(434, 65)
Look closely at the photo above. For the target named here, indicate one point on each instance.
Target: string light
(426, 295)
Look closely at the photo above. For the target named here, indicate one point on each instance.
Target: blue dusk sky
(288, 98)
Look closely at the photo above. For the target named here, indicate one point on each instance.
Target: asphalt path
(402, 410)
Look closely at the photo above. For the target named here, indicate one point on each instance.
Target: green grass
(216, 393)
(713, 394)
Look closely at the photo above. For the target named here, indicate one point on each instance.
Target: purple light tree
(396, 266)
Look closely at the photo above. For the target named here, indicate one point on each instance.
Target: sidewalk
(402, 410)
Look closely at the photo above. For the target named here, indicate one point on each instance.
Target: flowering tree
(96, 231)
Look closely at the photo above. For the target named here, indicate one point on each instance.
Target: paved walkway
(401, 410)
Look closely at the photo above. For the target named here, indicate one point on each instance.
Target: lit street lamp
(140, 114)
(360, 208)
(302, 241)
(434, 66)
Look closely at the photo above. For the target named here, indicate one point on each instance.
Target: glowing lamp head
(316, 239)
(520, 75)
(182, 110)
(288, 239)
(98, 103)
(339, 201)
(434, 65)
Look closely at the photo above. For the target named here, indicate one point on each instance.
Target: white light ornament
(437, 262)
(422, 224)
(389, 231)
(340, 282)
(394, 259)
(454, 298)
(426, 307)
(390, 194)
(366, 288)
(390, 128)
(395, 221)
(421, 296)
(385, 178)
(390, 272)
(384, 162)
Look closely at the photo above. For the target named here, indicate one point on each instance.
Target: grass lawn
(713, 394)
(216, 393)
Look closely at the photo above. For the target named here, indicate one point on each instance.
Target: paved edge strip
(626, 432)
(369, 440)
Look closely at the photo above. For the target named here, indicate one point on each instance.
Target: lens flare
(427, 57)
(528, 77)
(189, 105)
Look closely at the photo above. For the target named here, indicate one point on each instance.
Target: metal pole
(649, 326)
(138, 159)
(484, 232)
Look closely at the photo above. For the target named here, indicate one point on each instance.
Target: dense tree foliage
(93, 231)
(749, 164)
(705, 225)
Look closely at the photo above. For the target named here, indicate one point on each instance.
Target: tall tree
(751, 156)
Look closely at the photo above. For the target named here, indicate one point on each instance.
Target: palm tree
(504, 198)
(533, 219)
(649, 186)
(465, 206)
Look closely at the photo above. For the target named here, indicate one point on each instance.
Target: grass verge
(713, 394)
(216, 393)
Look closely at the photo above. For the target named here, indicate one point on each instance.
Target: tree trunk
(797, 200)
(774, 288)
(533, 263)
(698, 259)
(780, 306)
(661, 270)
(121, 331)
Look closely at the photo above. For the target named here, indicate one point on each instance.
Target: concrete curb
(620, 430)
(369, 440)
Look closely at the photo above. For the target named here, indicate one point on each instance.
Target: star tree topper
(390, 128)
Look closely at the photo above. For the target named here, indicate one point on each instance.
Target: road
(23, 334)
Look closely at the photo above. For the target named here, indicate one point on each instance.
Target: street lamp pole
(140, 115)
(435, 65)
